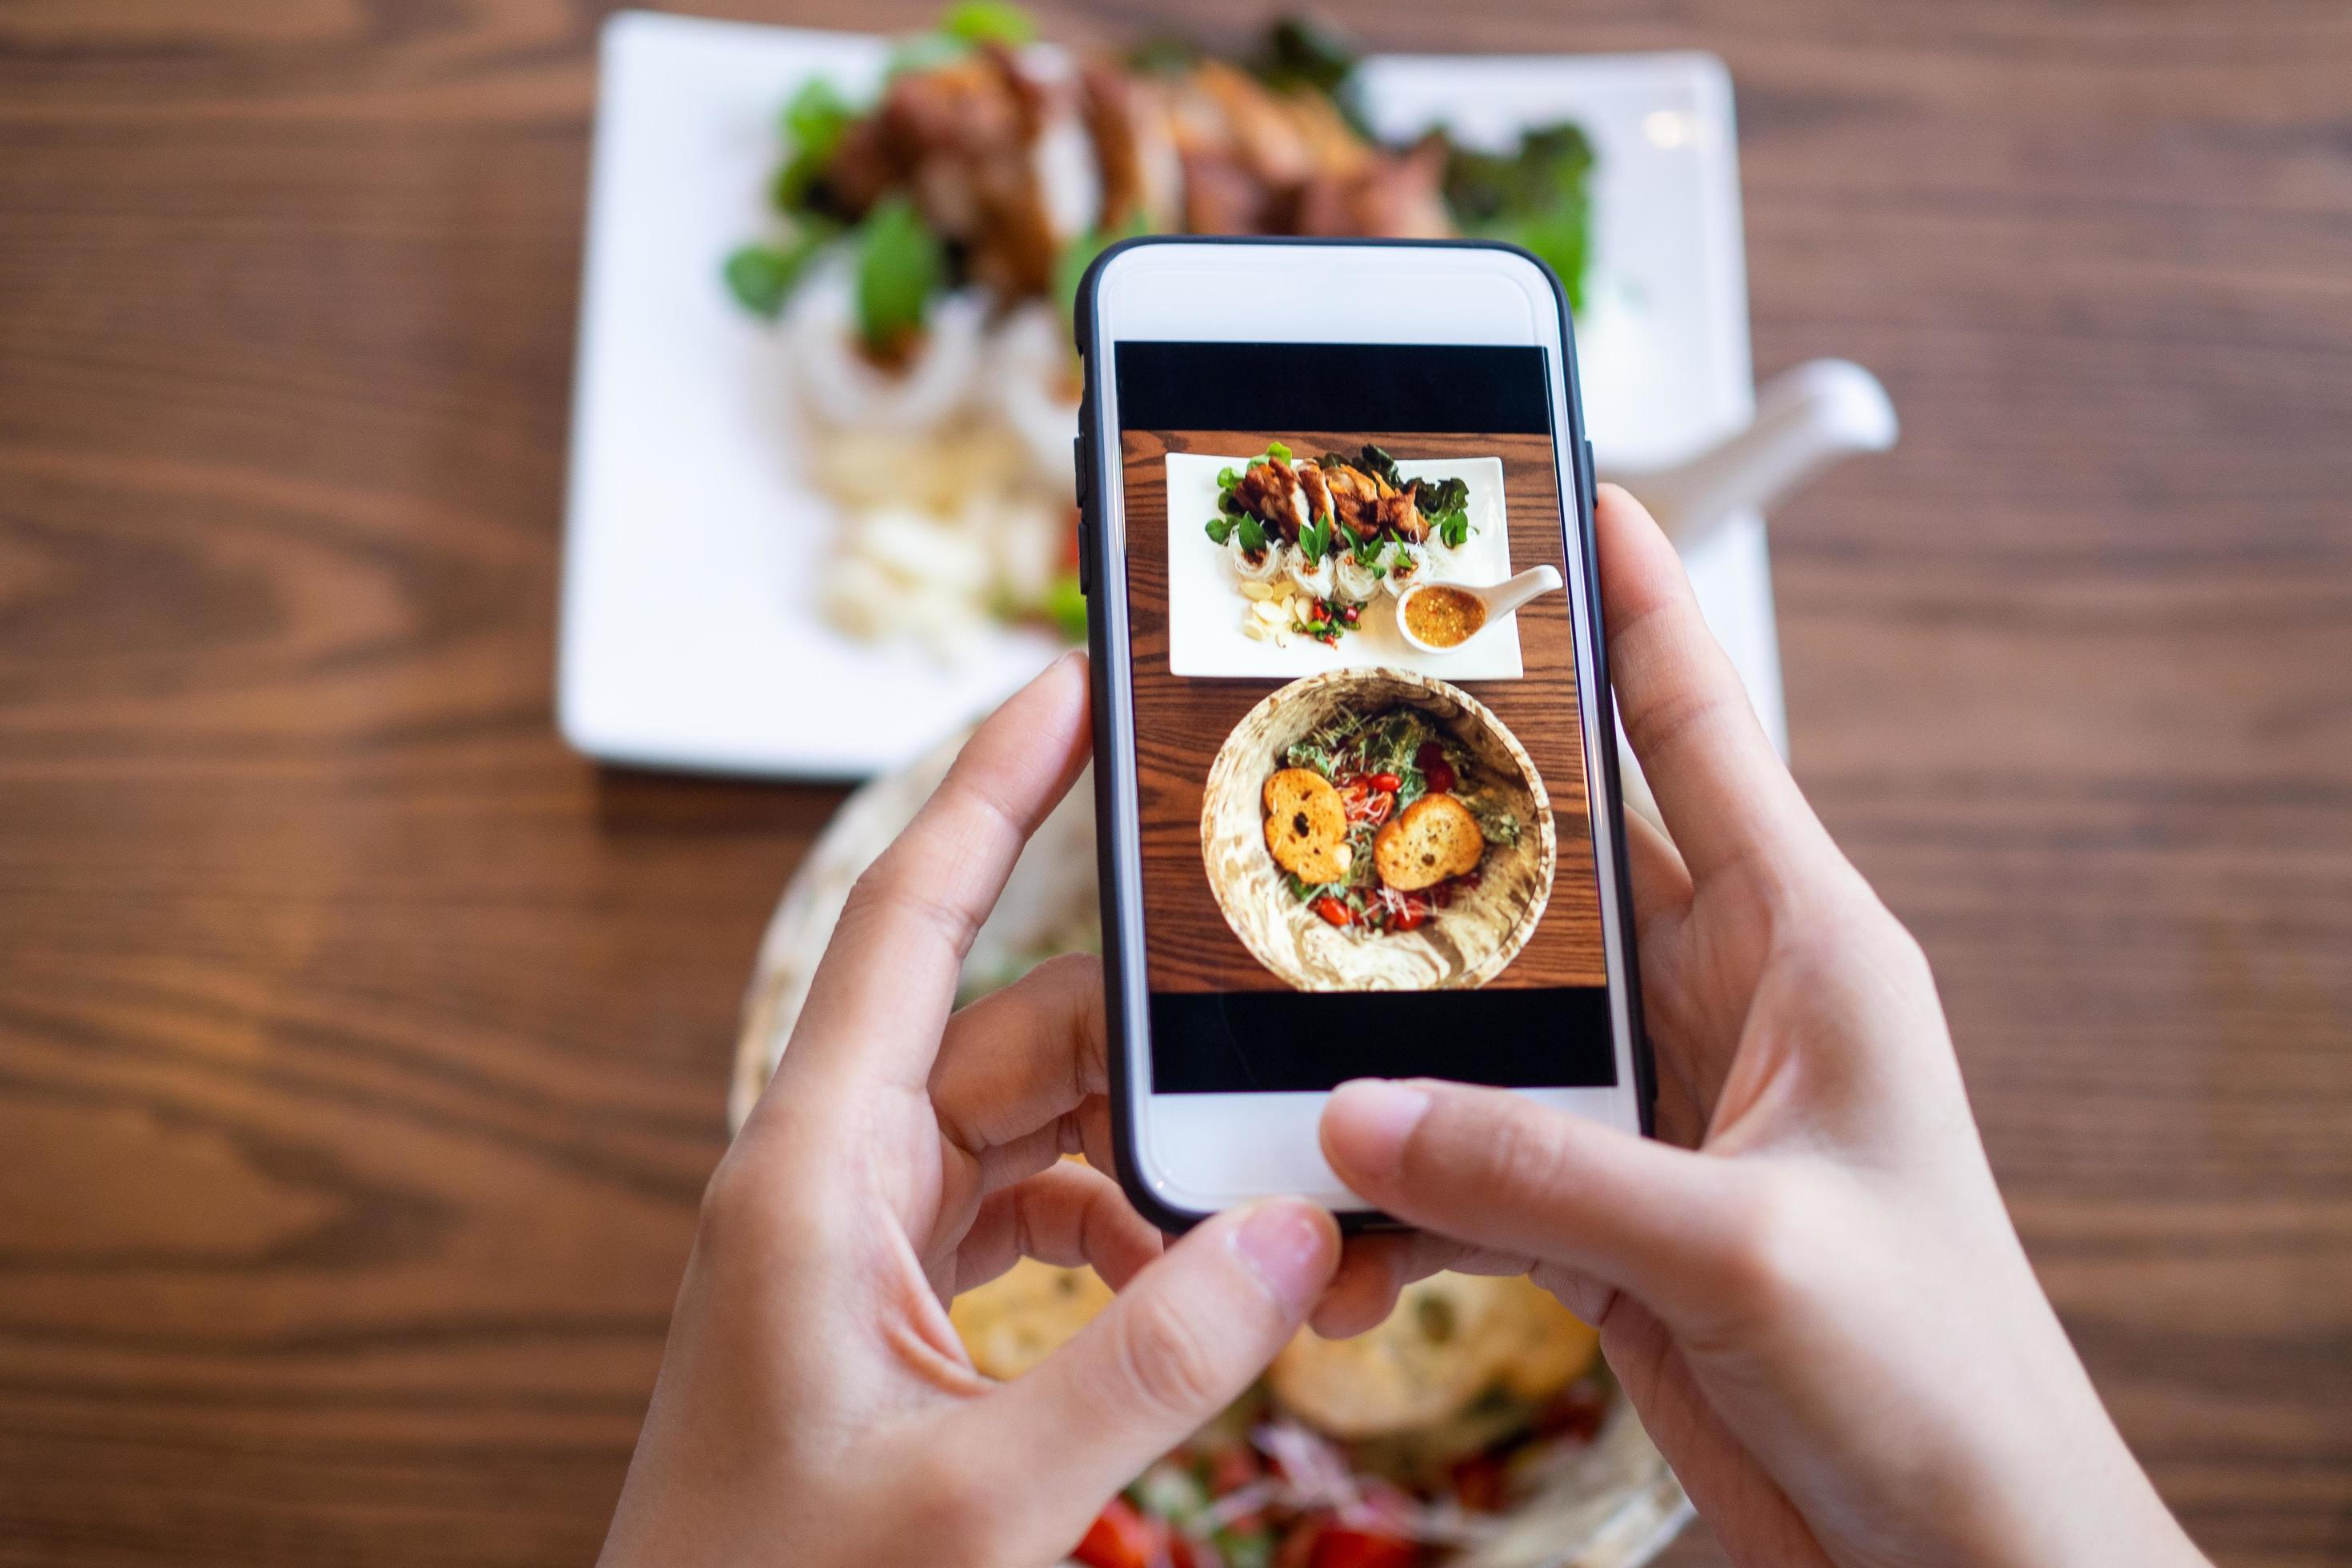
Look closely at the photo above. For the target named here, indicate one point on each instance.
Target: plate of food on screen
(1377, 830)
(1298, 558)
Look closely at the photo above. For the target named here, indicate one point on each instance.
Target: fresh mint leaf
(1315, 542)
(989, 22)
(900, 265)
(1253, 534)
(761, 277)
(814, 121)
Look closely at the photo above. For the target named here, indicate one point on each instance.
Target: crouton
(1306, 825)
(1431, 839)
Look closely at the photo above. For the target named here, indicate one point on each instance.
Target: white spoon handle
(1806, 419)
(1505, 597)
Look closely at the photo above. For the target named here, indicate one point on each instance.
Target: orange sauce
(1443, 616)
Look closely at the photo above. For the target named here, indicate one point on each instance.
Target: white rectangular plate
(1206, 609)
(690, 635)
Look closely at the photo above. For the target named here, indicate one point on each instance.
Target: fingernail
(1367, 1122)
(1288, 1245)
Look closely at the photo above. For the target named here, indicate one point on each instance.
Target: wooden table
(362, 1051)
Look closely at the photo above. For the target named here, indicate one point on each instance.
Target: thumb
(1192, 1331)
(1495, 1168)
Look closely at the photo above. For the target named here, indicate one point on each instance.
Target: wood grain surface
(1181, 721)
(362, 1053)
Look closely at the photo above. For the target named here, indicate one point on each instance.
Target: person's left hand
(815, 1405)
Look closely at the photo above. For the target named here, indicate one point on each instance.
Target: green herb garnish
(814, 121)
(989, 22)
(1536, 197)
(1315, 542)
(964, 27)
(1311, 57)
(900, 265)
(761, 277)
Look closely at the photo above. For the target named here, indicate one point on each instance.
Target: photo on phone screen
(1365, 839)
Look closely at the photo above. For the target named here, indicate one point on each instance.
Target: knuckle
(726, 1198)
(885, 893)
(1165, 1359)
(1666, 720)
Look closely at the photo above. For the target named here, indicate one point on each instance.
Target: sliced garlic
(1258, 591)
(1272, 613)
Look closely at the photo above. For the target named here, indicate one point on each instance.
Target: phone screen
(1367, 841)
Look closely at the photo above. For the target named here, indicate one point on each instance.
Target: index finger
(881, 996)
(1724, 792)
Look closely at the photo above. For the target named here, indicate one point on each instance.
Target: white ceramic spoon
(1807, 419)
(1500, 599)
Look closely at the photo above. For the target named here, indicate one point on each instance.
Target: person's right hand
(1818, 1304)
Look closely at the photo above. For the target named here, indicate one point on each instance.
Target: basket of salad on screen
(1476, 1428)
(927, 235)
(1370, 829)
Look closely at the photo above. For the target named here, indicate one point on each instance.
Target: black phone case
(1114, 748)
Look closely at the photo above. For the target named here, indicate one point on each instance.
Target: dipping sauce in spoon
(1442, 616)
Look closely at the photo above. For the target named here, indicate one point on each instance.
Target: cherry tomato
(1384, 781)
(1119, 1538)
(1478, 1483)
(1378, 809)
(1429, 754)
(1297, 1548)
(1230, 1468)
(1409, 917)
(1340, 1547)
(1440, 777)
(1332, 910)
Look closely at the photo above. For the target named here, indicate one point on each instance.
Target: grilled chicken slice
(1387, 197)
(1318, 494)
(1128, 117)
(1355, 496)
(1398, 514)
(1271, 493)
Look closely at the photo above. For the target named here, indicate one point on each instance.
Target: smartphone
(1357, 795)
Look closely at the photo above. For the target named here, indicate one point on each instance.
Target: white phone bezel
(1197, 1153)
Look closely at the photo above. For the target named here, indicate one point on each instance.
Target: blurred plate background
(691, 636)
